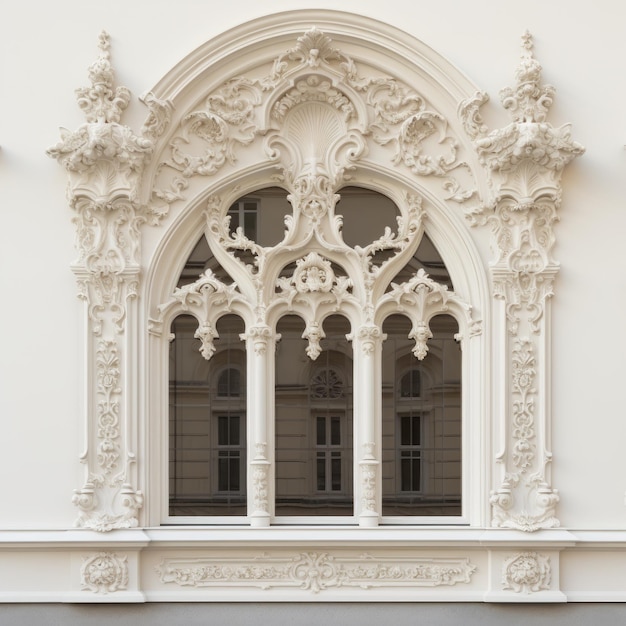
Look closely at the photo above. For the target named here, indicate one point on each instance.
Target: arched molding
(312, 101)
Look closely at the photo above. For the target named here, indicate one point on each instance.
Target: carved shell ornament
(314, 112)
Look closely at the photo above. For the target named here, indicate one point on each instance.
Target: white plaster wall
(45, 49)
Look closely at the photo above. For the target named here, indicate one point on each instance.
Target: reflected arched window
(229, 383)
(411, 384)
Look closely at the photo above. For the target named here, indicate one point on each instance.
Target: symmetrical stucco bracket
(524, 161)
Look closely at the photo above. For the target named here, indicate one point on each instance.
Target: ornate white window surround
(312, 101)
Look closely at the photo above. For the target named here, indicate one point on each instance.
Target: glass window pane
(335, 431)
(313, 418)
(207, 443)
(421, 421)
(321, 431)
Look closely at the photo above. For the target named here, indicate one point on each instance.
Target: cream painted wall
(45, 49)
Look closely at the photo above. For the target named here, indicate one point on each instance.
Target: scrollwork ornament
(369, 337)
(523, 380)
(109, 391)
(104, 572)
(316, 572)
(260, 337)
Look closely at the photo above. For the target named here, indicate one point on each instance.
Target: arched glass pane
(207, 464)
(314, 422)
(421, 421)
(366, 214)
(426, 257)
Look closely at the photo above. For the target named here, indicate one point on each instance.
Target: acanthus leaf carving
(159, 116)
(104, 158)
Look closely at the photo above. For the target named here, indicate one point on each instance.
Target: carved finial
(528, 101)
(99, 102)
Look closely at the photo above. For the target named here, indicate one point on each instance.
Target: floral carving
(524, 373)
(108, 376)
(526, 572)
(105, 572)
(316, 572)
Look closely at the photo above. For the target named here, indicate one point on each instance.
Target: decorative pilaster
(525, 160)
(104, 160)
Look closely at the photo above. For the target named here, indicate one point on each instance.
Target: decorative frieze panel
(316, 572)
(524, 161)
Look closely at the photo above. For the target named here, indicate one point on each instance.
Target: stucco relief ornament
(524, 160)
(316, 572)
(309, 88)
(105, 572)
(527, 572)
(105, 161)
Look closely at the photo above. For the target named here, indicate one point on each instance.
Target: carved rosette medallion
(524, 161)
(105, 572)
(527, 572)
(316, 572)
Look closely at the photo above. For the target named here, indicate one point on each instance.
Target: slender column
(260, 343)
(367, 430)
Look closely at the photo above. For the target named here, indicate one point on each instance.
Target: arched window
(314, 412)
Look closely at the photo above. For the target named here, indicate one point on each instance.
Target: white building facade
(338, 275)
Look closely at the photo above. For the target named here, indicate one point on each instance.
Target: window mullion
(260, 348)
(367, 355)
